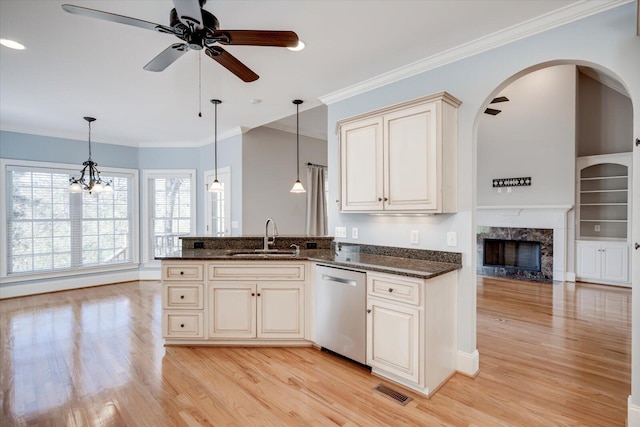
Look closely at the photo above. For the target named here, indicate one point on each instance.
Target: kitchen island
(226, 292)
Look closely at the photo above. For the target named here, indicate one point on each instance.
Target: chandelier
(90, 175)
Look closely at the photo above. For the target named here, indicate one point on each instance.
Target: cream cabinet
(256, 310)
(402, 158)
(603, 262)
(183, 300)
(256, 300)
(237, 302)
(411, 334)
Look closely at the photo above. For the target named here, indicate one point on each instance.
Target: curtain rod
(313, 164)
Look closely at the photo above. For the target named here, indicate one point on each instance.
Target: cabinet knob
(636, 246)
(379, 199)
(386, 200)
(182, 325)
(253, 294)
(258, 293)
(368, 310)
(390, 289)
(181, 273)
(181, 296)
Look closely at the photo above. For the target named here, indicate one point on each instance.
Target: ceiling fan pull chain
(200, 83)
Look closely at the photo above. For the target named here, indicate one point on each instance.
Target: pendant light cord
(215, 144)
(200, 83)
(298, 139)
(89, 141)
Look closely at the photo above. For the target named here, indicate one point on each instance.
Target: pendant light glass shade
(297, 186)
(89, 175)
(216, 186)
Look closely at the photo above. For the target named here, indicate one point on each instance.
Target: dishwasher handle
(339, 280)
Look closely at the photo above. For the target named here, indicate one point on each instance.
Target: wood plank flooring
(550, 355)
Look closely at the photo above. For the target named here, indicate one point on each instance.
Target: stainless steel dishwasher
(340, 312)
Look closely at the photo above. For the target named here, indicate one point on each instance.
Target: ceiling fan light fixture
(297, 186)
(12, 44)
(297, 47)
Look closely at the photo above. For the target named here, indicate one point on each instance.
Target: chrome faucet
(269, 242)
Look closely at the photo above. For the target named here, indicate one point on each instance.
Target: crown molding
(235, 131)
(605, 79)
(548, 21)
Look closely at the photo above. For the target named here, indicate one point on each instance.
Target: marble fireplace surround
(535, 217)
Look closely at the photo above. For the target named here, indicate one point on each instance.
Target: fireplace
(516, 253)
(513, 254)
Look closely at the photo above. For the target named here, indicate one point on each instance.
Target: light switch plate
(354, 233)
(452, 238)
(415, 237)
(340, 232)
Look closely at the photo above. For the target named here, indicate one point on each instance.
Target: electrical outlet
(452, 238)
(354, 233)
(596, 228)
(340, 232)
(415, 237)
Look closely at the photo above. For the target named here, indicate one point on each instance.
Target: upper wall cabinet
(401, 158)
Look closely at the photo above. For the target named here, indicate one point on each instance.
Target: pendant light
(94, 184)
(216, 186)
(297, 186)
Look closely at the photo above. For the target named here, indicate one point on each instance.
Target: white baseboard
(468, 363)
(633, 414)
(150, 274)
(64, 284)
(571, 277)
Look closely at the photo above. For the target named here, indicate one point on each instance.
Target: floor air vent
(392, 394)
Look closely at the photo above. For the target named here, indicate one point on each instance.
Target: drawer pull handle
(390, 289)
(182, 325)
(181, 273)
(181, 296)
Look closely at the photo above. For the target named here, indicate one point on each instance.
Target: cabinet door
(615, 262)
(361, 165)
(280, 310)
(411, 159)
(232, 310)
(588, 260)
(393, 338)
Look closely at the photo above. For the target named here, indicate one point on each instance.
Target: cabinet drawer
(183, 296)
(263, 271)
(182, 271)
(183, 325)
(396, 288)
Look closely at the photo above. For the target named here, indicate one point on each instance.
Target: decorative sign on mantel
(511, 182)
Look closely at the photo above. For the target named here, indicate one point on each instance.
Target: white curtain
(316, 201)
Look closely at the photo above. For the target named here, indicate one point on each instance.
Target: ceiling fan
(198, 29)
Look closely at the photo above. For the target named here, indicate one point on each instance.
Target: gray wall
(269, 171)
(604, 119)
(534, 136)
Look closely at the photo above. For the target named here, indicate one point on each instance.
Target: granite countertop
(402, 265)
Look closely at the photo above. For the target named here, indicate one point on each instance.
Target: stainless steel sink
(264, 253)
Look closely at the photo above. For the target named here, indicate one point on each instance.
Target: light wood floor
(550, 355)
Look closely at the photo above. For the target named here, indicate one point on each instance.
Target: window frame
(5, 277)
(147, 255)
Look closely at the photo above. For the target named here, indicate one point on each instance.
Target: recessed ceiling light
(12, 44)
(300, 46)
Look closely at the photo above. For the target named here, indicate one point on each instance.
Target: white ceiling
(76, 66)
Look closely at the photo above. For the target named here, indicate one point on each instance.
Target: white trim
(570, 13)
(235, 131)
(564, 208)
(225, 178)
(145, 223)
(633, 412)
(570, 277)
(46, 286)
(468, 363)
(291, 129)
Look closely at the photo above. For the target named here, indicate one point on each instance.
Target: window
(50, 230)
(170, 210)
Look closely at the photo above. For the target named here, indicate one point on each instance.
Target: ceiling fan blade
(257, 38)
(112, 17)
(231, 63)
(189, 12)
(167, 57)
